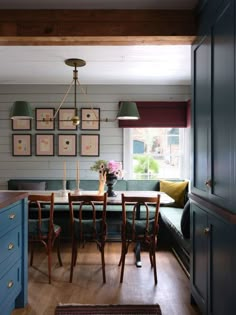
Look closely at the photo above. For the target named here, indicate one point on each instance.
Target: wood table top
(9, 197)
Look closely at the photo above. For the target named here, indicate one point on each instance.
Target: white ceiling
(104, 64)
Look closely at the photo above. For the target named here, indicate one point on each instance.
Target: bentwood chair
(88, 225)
(141, 227)
(42, 228)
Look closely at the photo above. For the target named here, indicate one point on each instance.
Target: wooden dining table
(61, 197)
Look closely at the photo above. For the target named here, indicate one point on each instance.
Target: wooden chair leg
(150, 257)
(58, 252)
(31, 254)
(49, 261)
(154, 263)
(75, 254)
(73, 259)
(123, 254)
(120, 259)
(103, 264)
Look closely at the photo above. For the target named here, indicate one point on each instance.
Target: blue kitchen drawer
(10, 283)
(10, 244)
(10, 217)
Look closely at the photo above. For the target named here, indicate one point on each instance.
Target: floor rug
(112, 309)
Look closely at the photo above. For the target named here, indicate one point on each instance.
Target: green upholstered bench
(170, 221)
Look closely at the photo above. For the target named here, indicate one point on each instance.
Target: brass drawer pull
(10, 246)
(12, 216)
(10, 284)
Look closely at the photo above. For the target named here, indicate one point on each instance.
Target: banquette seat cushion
(50, 184)
(31, 186)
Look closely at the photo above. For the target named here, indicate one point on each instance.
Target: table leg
(137, 251)
(137, 248)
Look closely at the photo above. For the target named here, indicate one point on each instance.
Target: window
(152, 153)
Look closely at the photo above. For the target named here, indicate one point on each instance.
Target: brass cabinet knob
(10, 246)
(207, 230)
(12, 216)
(208, 183)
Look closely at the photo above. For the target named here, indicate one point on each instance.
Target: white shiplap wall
(111, 137)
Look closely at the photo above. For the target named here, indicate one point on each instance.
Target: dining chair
(88, 229)
(42, 228)
(141, 226)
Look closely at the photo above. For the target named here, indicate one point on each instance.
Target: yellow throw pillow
(176, 190)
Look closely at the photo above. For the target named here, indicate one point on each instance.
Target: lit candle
(77, 171)
(64, 173)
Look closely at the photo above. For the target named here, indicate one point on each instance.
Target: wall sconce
(21, 110)
(128, 110)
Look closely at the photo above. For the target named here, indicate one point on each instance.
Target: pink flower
(113, 166)
(110, 167)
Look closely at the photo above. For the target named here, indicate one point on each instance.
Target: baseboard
(180, 262)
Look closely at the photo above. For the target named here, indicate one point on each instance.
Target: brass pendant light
(75, 63)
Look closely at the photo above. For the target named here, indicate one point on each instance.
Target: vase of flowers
(109, 172)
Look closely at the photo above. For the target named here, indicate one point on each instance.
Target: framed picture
(67, 145)
(44, 144)
(21, 124)
(64, 119)
(44, 119)
(90, 119)
(89, 145)
(21, 145)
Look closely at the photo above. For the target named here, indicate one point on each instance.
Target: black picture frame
(21, 144)
(89, 144)
(67, 144)
(64, 119)
(21, 124)
(44, 118)
(90, 118)
(44, 144)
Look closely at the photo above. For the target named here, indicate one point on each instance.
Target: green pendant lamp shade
(128, 110)
(21, 110)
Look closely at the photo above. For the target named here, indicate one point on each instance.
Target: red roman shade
(159, 114)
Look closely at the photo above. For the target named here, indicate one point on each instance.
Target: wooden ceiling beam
(96, 27)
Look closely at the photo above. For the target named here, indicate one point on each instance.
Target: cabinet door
(199, 257)
(202, 116)
(223, 108)
(221, 290)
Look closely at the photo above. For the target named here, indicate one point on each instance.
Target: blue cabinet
(223, 108)
(213, 197)
(14, 252)
(212, 260)
(199, 257)
(214, 118)
(202, 116)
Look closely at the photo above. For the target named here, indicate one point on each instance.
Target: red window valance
(160, 114)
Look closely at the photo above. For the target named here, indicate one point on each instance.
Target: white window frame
(128, 152)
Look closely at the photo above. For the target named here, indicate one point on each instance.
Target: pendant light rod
(64, 98)
(72, 62)
(75, 90)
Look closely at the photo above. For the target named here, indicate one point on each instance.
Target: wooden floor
(171, 292)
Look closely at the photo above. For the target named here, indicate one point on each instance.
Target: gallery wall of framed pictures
(48, 143)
